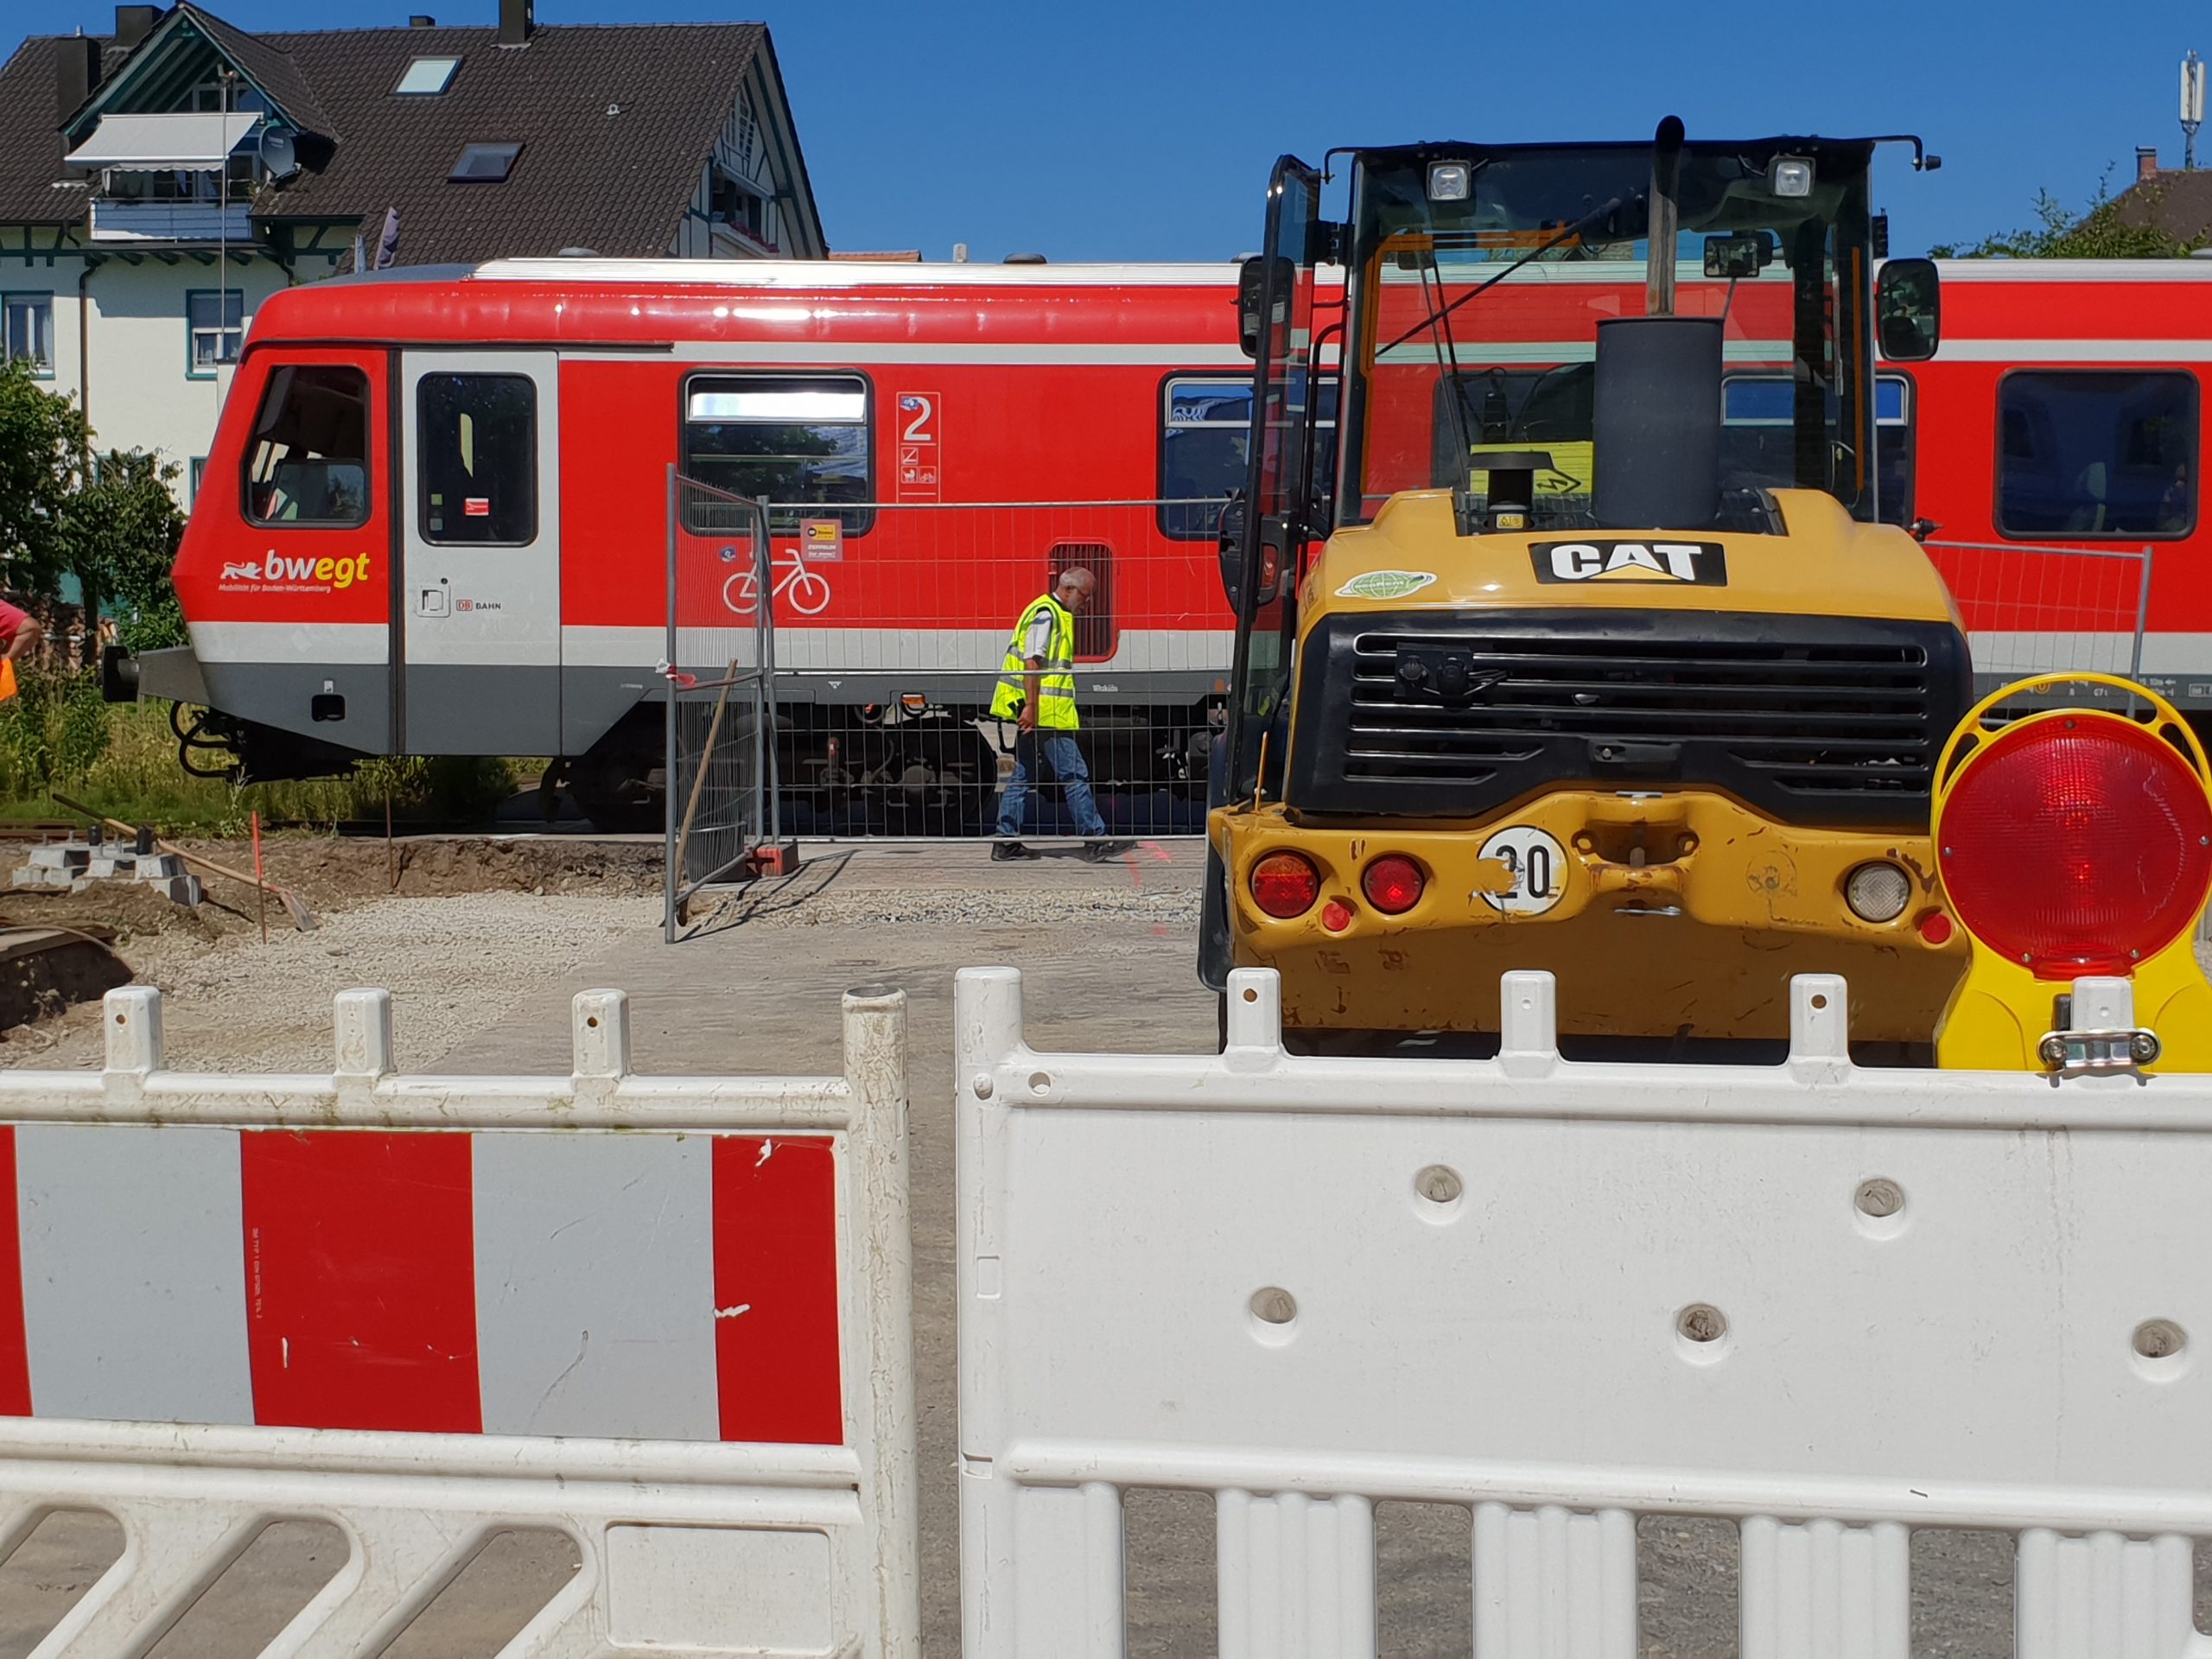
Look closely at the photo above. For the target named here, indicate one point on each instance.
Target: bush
(54, 730)
(120, 759)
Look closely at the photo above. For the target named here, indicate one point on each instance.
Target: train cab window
(2082, 453)
(307, 463)
(799, 441)
(1759, 438)
(1204, 447)
(476, 455)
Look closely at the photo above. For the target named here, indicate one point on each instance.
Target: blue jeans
(1059, 751)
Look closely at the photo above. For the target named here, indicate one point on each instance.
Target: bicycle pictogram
(807, 588)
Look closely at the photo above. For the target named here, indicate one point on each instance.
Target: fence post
(2142, 614)
(882, 1279)
(773, 777)
(668, 759)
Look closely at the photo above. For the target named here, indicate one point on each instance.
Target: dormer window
(427, 77)
(484, 164)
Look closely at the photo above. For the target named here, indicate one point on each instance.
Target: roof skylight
(426, 77)
(484, 164)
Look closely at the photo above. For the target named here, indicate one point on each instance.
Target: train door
(479, 610)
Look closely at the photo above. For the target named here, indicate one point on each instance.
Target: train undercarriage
(910, 768)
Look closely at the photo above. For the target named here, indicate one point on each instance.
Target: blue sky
(1144, 131)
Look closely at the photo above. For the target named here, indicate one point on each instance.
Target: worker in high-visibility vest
(1036, 690)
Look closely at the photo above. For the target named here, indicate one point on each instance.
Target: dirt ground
(473, 921)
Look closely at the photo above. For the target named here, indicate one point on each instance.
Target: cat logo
(249, 571)
(1702, 564)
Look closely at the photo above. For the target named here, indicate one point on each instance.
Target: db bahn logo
(1702, 564)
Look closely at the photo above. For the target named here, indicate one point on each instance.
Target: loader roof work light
(2073, 842)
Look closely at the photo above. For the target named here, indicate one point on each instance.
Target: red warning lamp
(2077, 844)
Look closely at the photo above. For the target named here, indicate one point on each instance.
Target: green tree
(2099, 232)
(42, 443)
(109, 519)
(119, 530)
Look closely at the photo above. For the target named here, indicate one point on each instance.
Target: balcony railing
(115, 220)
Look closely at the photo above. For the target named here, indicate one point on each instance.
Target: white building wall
(144, 393)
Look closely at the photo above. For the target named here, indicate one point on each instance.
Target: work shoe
(1009, 852)
(1100, 852)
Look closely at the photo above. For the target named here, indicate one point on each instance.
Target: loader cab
(1544, 331)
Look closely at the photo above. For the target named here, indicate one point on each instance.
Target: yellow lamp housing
(2075, 843)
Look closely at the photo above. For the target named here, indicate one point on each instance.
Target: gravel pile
(453, 964)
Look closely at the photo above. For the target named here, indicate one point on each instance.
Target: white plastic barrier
(1827, 1304)
(668, 1317)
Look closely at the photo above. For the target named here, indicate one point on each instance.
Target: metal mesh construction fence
(721, 666)
(892, 622)
(2034, 610)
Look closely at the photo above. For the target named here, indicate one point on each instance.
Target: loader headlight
(1878, 893)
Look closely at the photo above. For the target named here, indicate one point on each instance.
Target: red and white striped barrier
(580, 1266)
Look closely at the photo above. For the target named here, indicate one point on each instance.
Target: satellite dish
(278, 155)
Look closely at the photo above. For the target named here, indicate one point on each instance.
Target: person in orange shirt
(22, 632)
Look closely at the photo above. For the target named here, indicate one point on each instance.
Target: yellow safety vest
(1055, 685)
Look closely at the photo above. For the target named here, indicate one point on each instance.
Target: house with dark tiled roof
(157, 183)
(2176, 201)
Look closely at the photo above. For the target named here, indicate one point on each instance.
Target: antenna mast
(2192, 107)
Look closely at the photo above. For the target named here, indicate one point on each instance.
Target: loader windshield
(1479, 275)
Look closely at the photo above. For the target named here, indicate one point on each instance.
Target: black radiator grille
(1833, 719)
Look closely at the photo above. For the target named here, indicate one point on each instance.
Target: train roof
(813, 275)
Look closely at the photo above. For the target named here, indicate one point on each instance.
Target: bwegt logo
(274, 568)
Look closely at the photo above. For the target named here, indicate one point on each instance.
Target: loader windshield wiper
(1435, 319)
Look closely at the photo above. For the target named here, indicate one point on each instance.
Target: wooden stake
(260, 882)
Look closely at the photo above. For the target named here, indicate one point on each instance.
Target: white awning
(200, 140)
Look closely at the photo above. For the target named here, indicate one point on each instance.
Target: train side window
(476, 454)
(1203, 440)
(307, 463)
(1204, 447)
(1893, 447)
(2084, 454)
(799, 441)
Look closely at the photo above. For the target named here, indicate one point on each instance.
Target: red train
(435, 517)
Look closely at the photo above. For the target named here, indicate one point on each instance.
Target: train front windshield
(1480, 276)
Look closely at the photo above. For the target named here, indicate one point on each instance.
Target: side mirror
(1908, 310)
(1229, 546)
(1251, 278)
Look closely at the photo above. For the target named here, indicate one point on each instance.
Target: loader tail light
(2077, 844)
(1284, 885)
(1393, 884)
